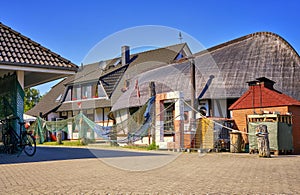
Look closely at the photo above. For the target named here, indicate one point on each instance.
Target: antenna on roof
(180, 37)
(102, 65)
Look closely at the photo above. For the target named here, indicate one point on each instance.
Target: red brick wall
(240, 119)
(295, 110)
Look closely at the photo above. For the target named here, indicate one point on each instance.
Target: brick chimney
(262, 81)
(125, 55)
(265, 82)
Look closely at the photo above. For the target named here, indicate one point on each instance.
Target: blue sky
(71, 28)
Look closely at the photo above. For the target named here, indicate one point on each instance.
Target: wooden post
(151, 131)
(193, 86)
(263, 141)
(193, 113)
(235, 142)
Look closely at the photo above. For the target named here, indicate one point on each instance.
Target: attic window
(179, 56)
(58, 98)
(118, 61)
(100, 92)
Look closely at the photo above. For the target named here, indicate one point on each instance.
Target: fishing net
(12, 99)
(134, 128)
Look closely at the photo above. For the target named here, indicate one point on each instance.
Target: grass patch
(135, 147)
(64, 143)
(152, 146)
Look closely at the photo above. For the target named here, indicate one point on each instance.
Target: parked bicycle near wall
(14, 142)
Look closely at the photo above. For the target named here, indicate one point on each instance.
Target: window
(100, 91)
(69, 94)
(58, 98)
(118, 61)
(180, 55)
(76, 93)
(95, 91)
(169, 118)
(86, 92)
(90, 114)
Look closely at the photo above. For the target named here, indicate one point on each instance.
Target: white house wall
(102, 118)
(121, 116)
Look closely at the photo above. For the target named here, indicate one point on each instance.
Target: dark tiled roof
(145, 61)
(49, 102)
(92, 72)
(114, 71)
(86, 74)
(18, 50)
(111, 80)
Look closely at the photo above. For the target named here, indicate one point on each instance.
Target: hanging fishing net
(132, 129)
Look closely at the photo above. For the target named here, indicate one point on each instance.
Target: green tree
(32, 97)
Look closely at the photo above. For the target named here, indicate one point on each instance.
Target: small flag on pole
(79, 104)
(137, 89)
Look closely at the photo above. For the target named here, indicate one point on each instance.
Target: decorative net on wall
(11, 98)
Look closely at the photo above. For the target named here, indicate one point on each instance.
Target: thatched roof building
(222, 71)
(262, 54)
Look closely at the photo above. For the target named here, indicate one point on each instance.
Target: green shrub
(152, 146)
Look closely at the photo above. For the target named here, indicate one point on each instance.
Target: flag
(79, 104)
(137, 89)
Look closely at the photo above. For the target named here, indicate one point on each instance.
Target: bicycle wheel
(6, 140)
(10, 143)
(29, 145)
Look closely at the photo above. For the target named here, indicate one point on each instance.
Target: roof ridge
(282, 99)
(283, 96)
(37, 44)
(116, 58)
(160, 48)
(237, 40)
(132, 55)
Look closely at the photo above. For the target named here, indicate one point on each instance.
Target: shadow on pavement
(64, 153)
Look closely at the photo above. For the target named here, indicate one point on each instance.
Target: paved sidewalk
(58, 170)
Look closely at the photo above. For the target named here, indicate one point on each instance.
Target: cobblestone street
(57, 170)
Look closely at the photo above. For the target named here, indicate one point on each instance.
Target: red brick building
(262, 97)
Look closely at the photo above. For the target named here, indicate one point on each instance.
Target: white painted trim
(20, 75)
(35, 69)
(88, 99)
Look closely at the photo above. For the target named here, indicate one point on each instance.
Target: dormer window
(88, 91)
(180, 55)
(76, 93)
(58, 98)
(100, 90)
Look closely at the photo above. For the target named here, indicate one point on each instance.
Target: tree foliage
(32, 97)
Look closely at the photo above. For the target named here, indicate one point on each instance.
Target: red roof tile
(259, 96)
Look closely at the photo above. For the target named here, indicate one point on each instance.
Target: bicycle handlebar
(10, 117)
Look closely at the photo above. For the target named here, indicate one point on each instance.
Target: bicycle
(13, 142)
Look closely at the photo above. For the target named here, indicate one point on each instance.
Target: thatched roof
(262, 54)
(227, 68)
